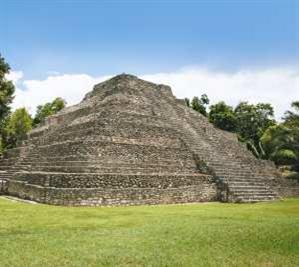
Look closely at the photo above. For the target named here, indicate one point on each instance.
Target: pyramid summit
(131, 142)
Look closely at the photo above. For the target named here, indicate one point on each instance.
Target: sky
(232, 50)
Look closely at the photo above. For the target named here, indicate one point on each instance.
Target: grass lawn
(213, 234)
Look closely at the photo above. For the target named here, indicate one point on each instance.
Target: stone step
(252, 186)
(115, 163)
(161, 163)
(246, 183)
(235, 176)
(94, 180)
(108, 163)
(115, 169)
(245, 180)
(252, 199)
(248, 186)
(5, 177)
(254, 194)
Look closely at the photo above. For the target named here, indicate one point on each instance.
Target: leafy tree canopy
(6, 91)
(187, 101)
(48, 109)
(291, 118)
(18, 124)
(200, 104)
(252, 120)
(223, 116)
(281, 143)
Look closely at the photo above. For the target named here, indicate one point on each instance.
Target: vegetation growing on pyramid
(48, 109)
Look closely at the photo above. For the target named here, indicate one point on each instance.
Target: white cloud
(71, 87)
(14, 76)
(279, 86)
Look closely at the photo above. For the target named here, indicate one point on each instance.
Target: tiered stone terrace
(132, 142)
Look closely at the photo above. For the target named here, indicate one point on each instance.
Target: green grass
(214, 234)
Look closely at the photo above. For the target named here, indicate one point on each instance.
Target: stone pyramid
(132, 142)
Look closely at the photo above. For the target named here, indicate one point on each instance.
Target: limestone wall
(203, 191)
(3, 187)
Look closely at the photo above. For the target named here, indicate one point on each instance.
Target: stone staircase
(234, 167)
(14, 160)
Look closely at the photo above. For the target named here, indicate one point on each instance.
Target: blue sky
(146, 36)
(210, 39)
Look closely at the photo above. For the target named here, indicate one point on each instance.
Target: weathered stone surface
(132, 142)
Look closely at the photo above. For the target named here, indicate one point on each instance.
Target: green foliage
(247, 120)
(281, 144)
(48, 109)
(256, 149)
(291, 118)
(275, 136)
(1, 146)
(7, 90)
(293, 175)
(18, 124)
(187, 101)
(285, 156)
(252, 121)
(223, 117)
(200, 105)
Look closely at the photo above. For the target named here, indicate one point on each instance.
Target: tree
(51, 108)
(18, 125)
(281, 142)
(1, 146)
(7, 90)
(223, 116)
(199, 105)
(252, 121)
(291, 118)
(187, 101)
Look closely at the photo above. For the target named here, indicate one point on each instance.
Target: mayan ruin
(132, 142)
